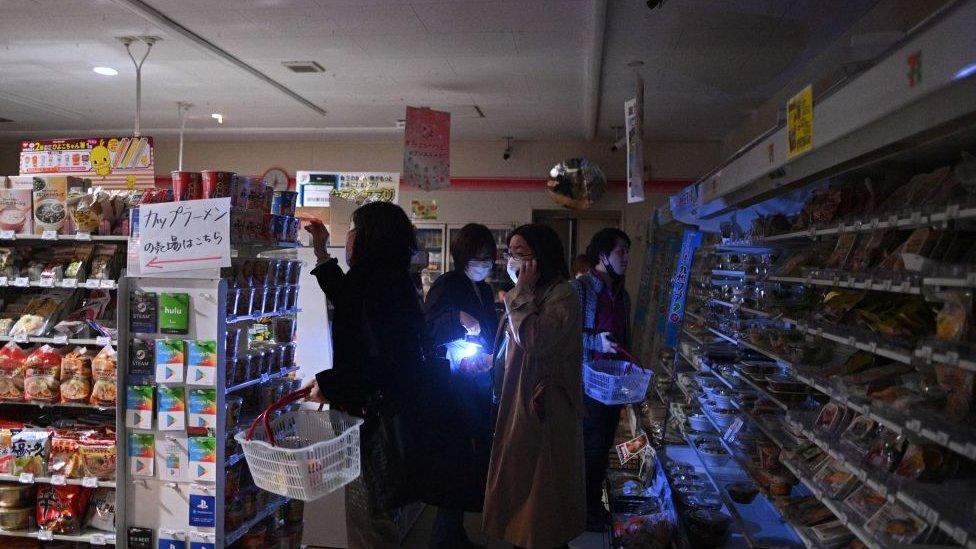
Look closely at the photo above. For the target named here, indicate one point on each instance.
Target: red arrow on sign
(158, 263)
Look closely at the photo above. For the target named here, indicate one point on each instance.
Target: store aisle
(420, 534)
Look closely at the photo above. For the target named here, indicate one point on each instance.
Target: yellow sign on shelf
(799, 122)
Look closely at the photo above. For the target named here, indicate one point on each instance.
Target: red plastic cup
(217, 184)
(187, 186)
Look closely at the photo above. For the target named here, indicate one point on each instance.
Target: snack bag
(12, 359)
(6, 451)
(30, 449)
(65, 456)
(42, 375)
(101, 510)
(76, 376)
(61, 509)
(104, 371)
(99, 458)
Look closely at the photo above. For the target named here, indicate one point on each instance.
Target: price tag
(97, 539)
(733, 429)
(49, 235)
(69, 283)
(60, 339)
(102, 340)
(26, 478)
(21, 338)
(107, 284)
(83, 236)
(7, 235)
(21, 282)
(89, 482)
(59, 480)
(92, 283)
(265, 378)
(46, 283)
(45, 535)
(3, 281)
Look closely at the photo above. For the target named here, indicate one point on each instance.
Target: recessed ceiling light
(218, 117)
(106, 71)
(636, 63)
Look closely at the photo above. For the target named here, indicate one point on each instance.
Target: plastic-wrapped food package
(61, 509)
(42, 375)
(12, 359)
(105, 373)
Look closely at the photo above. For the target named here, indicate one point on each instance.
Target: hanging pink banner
(427, 149)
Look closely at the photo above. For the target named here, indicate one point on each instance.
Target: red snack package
(12, 359)
(61, 509)
(42, 375)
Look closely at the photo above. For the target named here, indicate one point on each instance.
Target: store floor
(420, 534)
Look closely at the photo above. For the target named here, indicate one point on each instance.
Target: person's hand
(607, 344)
(528, 274)
(320, 239)
(315, 395)
(476, 364)
(470, 323)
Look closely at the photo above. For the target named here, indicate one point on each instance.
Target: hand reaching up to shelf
(320, 240)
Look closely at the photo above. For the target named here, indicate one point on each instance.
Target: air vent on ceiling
(303, 66)
(2, 120)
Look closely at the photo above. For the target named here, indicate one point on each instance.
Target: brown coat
(535, 495)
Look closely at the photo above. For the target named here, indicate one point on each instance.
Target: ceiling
(523, 63)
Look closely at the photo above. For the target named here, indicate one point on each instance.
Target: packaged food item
(31, 449)
(6, 450)
(845, 245)
(103, 262)
(42, 375)
(101, 510)
(61, 509)
(858, 434)
(15, 211)
(17, 519)
(99, 458)
(926, 463)
(187, 186)
(50, 203)
(76, 376)
(832, 533)
(896, 522)
(886, 450)
(105, 374)
(958, 385)
(66, 456)
(952, 322)
(15, 495)
(835, 480)
(174, 313)
(12, 365)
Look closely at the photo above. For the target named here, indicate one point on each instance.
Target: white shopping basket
(615, 382)
(302, 454)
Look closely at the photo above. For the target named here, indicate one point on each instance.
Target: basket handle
(630, 357)
(263, 416)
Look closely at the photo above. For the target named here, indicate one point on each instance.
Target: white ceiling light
(106, 71)
(218, 117)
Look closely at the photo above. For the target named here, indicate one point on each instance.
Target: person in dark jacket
(462, 323)
(378, 349)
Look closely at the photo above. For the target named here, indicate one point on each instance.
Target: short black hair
(603, 242)
(385, 238)
(548, 250)
(469, 242)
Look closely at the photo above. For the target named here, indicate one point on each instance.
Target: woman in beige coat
(535, 495)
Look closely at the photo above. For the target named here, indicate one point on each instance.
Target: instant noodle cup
(217, 184)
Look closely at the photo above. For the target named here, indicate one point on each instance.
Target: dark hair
(581, 264)
(385, 238)
(603, 242)
(548, 251)
(470, 240)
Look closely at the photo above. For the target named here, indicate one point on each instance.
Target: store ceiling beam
(163, 21)
(594, 70)
(259, 130)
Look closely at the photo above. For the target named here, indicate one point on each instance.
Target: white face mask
(514, 265)
(478, 270)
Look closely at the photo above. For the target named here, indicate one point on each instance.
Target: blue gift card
(203, 511)
(201, 545)
(171, 544)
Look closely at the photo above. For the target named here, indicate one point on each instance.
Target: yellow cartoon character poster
(101, 160)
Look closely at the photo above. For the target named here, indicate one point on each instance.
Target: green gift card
(174, 313)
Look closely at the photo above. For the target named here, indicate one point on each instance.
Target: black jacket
(466, 426)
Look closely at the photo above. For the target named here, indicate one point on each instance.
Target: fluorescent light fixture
(218, 117)
(106, 71)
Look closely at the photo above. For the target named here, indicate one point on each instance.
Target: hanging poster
(679, 287)
(423, 209)
(315, 189)
(799, 122)
(684, 204)
(427, 149)
(110, 162)
(634, 118)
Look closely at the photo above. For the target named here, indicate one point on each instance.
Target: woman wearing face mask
(379, 370)
(535, 494)
(461, 323)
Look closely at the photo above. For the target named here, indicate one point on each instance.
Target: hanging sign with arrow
(183, 236)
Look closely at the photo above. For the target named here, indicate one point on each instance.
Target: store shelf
(92, 537)
(61, 405)
(920, 422)
(60, 341)
(927, 353)
(936, 503)
(68, 284)
(269, 510)
(692, 336)
(903, 220)
(263, 379)
(853, 342)
(733, 274)
(947, 282)
(91, 483)
(81, 237)
(854, 282)
(233, 319)
(695, 316)
(234, 459)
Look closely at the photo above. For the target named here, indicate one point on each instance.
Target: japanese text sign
(679, 288)
(182, 236)
(111, 162)
(799, 122)
(427, 149)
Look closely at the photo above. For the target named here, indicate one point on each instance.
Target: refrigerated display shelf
(692, 336)
(851, 281)
(750, 346)
(733, 274)
(903, 220)
(852, 341)
(936, 503)
(268, 510)
(923, 423)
